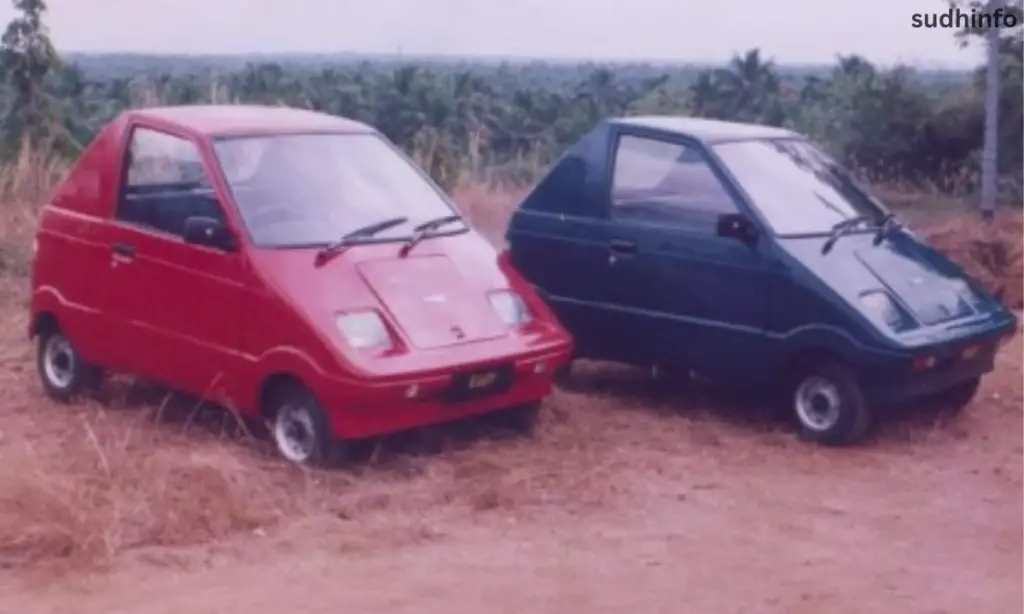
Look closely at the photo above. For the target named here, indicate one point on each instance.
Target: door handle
(123, 254)
(123, 249)
(622, 247)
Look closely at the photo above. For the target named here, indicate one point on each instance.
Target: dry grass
(84, 483)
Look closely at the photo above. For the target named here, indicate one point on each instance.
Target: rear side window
(165, 183)
(661, 182)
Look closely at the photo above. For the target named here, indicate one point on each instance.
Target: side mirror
(209, 232)
(737, 226)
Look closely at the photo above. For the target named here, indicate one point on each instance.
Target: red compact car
(292, 265)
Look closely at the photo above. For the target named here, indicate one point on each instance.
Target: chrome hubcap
(59, 361)
(294, 433)
(818, 403)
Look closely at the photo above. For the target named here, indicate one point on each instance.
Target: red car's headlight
(363, 330)
(510, 307)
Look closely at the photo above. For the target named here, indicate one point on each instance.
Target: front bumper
(928, 369)
(359, 409)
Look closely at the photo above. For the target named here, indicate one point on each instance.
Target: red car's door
(181, 302)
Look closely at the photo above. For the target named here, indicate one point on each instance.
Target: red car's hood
(430, 299)
(436, 296)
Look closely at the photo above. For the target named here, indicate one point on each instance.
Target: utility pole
(990, 151)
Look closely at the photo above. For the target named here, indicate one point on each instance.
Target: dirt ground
(630, 498)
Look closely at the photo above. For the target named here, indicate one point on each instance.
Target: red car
(292, 265)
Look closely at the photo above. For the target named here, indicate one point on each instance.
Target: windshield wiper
(886, 225)
(423, 230)
(324, 255)
(841, 229)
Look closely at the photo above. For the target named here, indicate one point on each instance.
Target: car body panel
(220, 323)
(680, 293)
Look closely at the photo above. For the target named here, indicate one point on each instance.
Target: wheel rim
(818, 403)
(294, 433)
(59, 361)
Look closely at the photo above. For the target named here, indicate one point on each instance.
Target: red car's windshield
(311, 189)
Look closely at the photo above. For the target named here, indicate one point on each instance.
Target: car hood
(436, 296)
(923, 280)
(433, 303)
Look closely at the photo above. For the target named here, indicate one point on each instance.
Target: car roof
(211, 120)
(707, 130)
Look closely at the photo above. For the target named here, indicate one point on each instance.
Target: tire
(521, 419)
(62, 371)
(300, 429)
(829, 405)
(959, 396)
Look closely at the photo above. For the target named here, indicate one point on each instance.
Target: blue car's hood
(924, 281)
(932, 296)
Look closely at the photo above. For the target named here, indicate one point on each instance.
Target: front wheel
(301, 431)
(829, 405)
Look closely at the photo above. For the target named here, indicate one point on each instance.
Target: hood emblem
(458, 332)
(435, 298)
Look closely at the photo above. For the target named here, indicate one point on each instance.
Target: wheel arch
(270, 385)
(43, 322)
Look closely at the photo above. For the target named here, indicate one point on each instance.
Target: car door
(557, 240)
(694, 298)
(182, 302)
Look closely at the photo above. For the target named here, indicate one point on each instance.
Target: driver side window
(165, 183)
(664, 183)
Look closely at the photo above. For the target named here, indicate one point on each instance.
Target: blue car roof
(707, 130)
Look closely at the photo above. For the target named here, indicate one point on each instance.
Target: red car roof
(211, 120)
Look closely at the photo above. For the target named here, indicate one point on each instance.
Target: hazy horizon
(674, 31)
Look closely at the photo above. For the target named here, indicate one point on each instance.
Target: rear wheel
(300, 429)
(62, 371)
(829, 405)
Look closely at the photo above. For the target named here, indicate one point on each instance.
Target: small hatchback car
(745, 254)
(292, 265)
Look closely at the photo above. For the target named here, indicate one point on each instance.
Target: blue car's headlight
(363, 330)
(880, 306)
(510, 307)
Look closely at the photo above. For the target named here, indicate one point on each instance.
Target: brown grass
(82, 484)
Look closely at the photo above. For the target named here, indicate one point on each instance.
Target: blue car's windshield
(310, 189)
(798, 188)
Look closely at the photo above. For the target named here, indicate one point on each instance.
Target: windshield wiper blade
(421, 231)
(886, 225)
(437, 222)
(840, 229)
(325, 254)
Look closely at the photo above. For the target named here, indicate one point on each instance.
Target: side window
(664, 183)
(165, 183)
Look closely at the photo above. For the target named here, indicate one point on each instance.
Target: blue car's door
(557, 240)
(693, 298)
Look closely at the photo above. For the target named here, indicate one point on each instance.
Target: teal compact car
(744, 253)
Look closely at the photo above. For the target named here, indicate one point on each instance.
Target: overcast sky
(687, 30)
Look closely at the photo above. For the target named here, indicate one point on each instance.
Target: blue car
(744, 253)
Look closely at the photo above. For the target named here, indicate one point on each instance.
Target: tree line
(505, 121)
